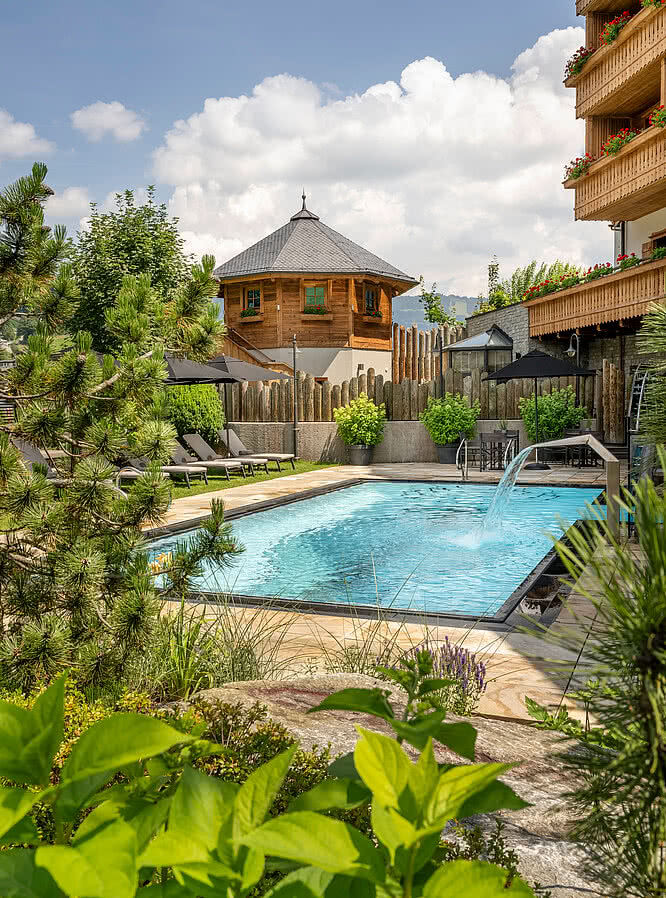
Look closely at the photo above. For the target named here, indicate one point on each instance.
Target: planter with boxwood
(445, 419)
(557, 412)
(361, 426)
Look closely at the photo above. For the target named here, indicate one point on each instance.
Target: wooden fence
(415, 356)
(273, 402)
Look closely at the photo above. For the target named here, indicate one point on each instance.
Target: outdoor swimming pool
(416, 546)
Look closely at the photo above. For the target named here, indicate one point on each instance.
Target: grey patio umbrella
(233, 371)
(185, 371)
(533, 366)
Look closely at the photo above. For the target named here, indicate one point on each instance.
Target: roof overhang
(403, 283)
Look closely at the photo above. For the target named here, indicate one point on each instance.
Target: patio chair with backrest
(207, 455)
(181, 457)
(176, 470)
(478, 451)
(32, 455)
(238, 450)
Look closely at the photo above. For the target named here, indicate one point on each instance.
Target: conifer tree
(76, 587)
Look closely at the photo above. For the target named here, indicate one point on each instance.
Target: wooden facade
(282, 304)
(618, 297)
(619, 86)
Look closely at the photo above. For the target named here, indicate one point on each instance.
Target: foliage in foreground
(446, 418)
(557, 412)
(75, 585)
(196, 409)
(361, 423)
(652, 342)
(621, 802)
(167, 829)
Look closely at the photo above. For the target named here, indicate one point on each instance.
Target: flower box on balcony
(373, 319)
(251, 319)
(316, 316)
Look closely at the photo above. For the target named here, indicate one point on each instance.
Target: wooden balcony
(625, 77)
(627, 186)
(616, 297)
(585, 7)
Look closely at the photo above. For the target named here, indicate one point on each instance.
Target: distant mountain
(408, 310)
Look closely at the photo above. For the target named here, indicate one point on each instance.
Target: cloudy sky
(433, 133)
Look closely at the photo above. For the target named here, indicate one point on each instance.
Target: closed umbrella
(185, 371)
(533, 366)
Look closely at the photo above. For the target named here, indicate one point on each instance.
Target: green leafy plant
(196, 409)
(620, 802)
(616, 142)
(658, 117)
(599, 270)
(578, 167)
(557, 412)
(168, 829)
(315, 310)
(133, 239)
(653, 4)
(434, 311)
(625, 261)
(361, 423)
(612, 29)
(249, 313)
(659, 252)
(576, 62)
(446, 418)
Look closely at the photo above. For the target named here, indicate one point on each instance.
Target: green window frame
(253, 298)
(315, 295)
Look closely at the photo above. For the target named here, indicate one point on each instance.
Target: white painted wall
(335, 364)
(638, 232)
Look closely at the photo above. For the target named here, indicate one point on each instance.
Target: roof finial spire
(303, 197)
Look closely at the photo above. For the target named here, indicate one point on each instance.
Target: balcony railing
(585, 7)
(616, 297)
(626, 186)
(624, 77)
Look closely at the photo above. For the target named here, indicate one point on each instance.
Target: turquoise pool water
(417, 546)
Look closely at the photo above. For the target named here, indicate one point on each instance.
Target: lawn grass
(220, 482)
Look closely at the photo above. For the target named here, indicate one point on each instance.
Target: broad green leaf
(473, 879)
(15, 804)
(104, 748)
(312, 883)
(100, 863)
(434, 685)
(459, 737)
(456, 789)
(344, 767)
(392, 830)
(30, 739)
(258, 792)
(23, 833)
(332, 793)
(424, 776)
(74, 873)
(383, 766)
(318, 841)
(364, 701)
(169, 889)
(20, 877)
(200, 805)
(494, 797)
(207, 880)
(145, 817)
(173, 848)
(253, 867)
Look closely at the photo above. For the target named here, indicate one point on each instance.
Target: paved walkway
(518, 664)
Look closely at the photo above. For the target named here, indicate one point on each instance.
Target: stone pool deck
(519, 664)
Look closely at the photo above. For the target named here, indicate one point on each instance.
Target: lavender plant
(467, 675)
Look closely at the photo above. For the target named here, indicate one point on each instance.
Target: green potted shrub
(445, 419)
(361, 427)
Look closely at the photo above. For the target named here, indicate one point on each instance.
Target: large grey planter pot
(360, 455)
(446, 452)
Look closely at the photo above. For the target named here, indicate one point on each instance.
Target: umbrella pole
(226, 415)
(536, 465)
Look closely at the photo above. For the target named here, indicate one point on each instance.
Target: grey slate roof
(494, 338)
(305, 244)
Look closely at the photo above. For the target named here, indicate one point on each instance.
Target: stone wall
(404, 441)
(514, 321)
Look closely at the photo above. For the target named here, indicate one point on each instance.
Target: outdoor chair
(583, 455)
(238, 450)
(175, 470)
(181, 457)
(206, 455)
(477, 451)
(32, 455)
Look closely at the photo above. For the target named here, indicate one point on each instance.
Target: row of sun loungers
(240, 460)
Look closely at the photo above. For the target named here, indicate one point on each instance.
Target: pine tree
(76, 586)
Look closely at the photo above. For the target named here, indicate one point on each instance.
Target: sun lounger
(175, 470)
(238, 450)
(32, 455)
(249, 463)
(206, 455)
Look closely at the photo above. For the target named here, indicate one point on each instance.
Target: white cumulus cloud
(433, 172)
(20, 138)
(99, 119)
(72, 202)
